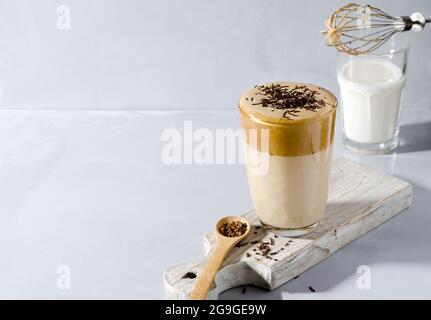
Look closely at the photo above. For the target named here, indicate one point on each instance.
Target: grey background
(87, 189)
(175, 54)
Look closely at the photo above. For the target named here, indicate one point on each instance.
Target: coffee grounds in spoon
(233, 229)
(290, 98)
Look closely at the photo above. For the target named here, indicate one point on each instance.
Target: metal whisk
(358, 29)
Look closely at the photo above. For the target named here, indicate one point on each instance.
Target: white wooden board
(360, 199)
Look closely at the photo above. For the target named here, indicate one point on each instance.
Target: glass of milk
(371, 88)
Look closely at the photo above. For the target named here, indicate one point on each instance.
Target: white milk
(371, 94)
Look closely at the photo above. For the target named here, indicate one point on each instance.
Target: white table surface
(88, 190)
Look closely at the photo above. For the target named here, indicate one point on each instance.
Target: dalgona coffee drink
(290, 195)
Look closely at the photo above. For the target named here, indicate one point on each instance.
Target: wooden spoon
(224, 245)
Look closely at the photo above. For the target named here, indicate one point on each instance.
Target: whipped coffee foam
(287, 102)
(300, 117)
(371, 93)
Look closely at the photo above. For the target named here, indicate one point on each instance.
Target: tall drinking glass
(371, 88)
(292, 150)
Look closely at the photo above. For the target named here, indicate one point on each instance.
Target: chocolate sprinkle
(264, 248)
(189, 275)
(240, 244)
(291, 99)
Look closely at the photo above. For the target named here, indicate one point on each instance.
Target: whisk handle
(408, 23)
(416, 22)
